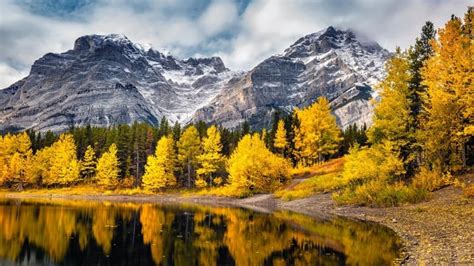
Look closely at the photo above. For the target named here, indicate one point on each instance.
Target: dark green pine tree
(176, 131)
(245, 128)
(418, 54)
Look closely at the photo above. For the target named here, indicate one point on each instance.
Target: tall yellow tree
(108, 168)
(88, 164)
(317, 134)
(253, 168)
(188, 150)
(160, 167)
(15, 160)
(449, 97)
(211, 158)
(64, 167)
(280, 142)
(392, 118)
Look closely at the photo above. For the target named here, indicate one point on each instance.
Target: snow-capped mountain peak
(108, 79)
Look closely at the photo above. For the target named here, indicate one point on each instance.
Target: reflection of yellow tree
(155, 223)
(103, 228)
(206, 240)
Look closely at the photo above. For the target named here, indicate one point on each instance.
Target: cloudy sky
(242, 32)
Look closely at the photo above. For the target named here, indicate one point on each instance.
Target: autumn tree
(280, 142)
(88, 164)
(160, 167)
(188, 150)
(392, 114)
(63, 166)
(253, 168)
(108, 168)
(211, 158)
(449, 97)
(15, 160)
(317, 134)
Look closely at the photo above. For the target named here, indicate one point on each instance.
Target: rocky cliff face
(334, 63)
(109, 80)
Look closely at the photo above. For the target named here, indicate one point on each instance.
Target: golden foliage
(253, 168)
(392, 113)
(317, 134)
(107, 168)
(189, 146)
(280, 142)
(211, 158)
(159, 170)
(450, 95)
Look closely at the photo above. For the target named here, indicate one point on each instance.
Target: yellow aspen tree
(253, 168)
(3, 161)
(449, 96)
(64, 166)
(392, 118)
(188, 150)
(211, 158)
(317, 134)
(108, 168)
(23, 155)
(160, 167)
(88, 164)
(280, 142)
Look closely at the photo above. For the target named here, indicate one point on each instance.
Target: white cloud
(218, 17)
(189, 28)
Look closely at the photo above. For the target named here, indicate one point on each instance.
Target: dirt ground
(438, 231)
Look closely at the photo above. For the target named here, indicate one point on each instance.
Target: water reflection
(92, 233)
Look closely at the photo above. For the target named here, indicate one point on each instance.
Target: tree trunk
(463, 155)
(189, 174)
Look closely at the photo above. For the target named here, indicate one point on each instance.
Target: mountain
(339, 64)
(108, 80)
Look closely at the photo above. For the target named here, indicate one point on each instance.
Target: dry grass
(320, 179)
(329, 167)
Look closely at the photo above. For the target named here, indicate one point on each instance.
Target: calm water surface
(56, 232)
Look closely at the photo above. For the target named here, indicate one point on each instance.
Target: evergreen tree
(188, 150)
(108, 168)
(88, 164)
(417, 56)
(211, 158)
(159, 170)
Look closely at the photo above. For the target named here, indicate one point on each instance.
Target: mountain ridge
(107, 79)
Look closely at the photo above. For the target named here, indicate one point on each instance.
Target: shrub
(469, 191)
(431, 180)
(379, 193)
(378, 162)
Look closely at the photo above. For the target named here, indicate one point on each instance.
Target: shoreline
(435, 231)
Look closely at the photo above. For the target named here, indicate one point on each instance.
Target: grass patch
(329, 167)
(322, 178)
(379, 193)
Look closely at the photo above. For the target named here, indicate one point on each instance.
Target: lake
(65, 232)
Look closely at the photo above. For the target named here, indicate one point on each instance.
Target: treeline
(423, 129)
(198, 155)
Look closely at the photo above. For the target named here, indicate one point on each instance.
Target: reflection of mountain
(92, 233)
